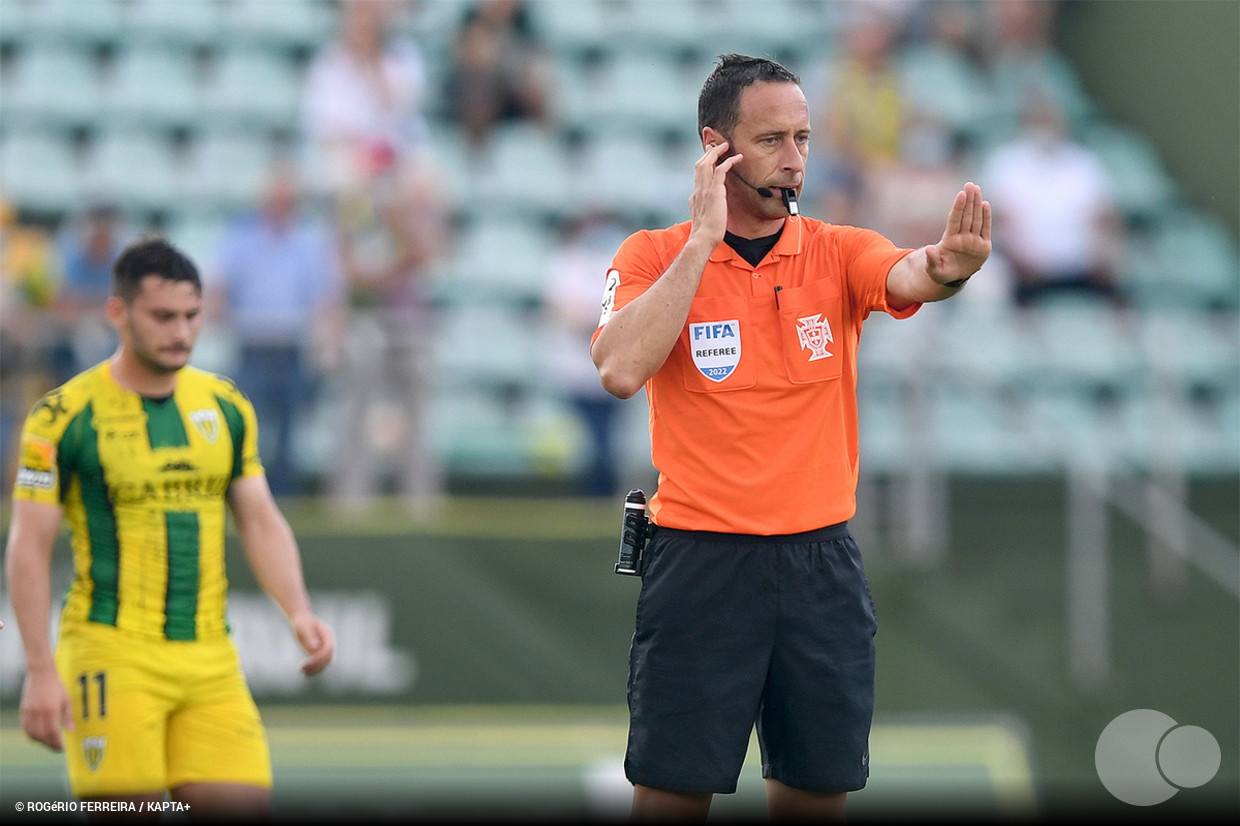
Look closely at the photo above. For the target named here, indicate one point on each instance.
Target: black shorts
(734, 631)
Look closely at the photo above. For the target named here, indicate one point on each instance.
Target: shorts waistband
(824, 534)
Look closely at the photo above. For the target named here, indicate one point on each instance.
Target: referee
(742, 324)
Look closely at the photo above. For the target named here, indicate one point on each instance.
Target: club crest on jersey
(814, 333)
(206, 422)
(92, 751)
(716, 347)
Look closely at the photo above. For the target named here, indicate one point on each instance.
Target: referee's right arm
(635, 342)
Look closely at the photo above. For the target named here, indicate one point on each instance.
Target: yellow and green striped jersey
(142, 484)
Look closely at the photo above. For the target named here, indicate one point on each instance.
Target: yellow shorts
(152, 714)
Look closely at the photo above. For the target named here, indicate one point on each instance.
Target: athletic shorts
(737, 631)
(152, 714)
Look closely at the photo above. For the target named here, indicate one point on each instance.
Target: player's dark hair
(719, 103)
(150, 255)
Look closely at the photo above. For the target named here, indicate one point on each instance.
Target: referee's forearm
(635, 342)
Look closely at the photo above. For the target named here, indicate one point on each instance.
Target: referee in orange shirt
(742, 323)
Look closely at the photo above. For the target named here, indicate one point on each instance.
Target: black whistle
(632, 534)
(790, 201)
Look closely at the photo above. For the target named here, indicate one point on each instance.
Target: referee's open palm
(965, 244)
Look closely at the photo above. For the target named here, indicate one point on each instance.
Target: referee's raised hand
(965, 244)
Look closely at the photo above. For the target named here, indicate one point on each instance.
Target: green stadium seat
(197, 232)
(40, 171)
(604, 171)
(226, 169)
(644, 91)
(287, 24)
(1191, 348)
(185, 23)
(1082, 343)
(948, 85)
(1142, 187)
(53, 84)
(153, 86)
(94, 23)
(252, 87)
(523, 171)
(498, 259)
(137, 169)
(476, 432)
(489, 346)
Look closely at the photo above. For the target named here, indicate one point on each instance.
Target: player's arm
(938, 271)
(272, 552)
(635, 342)
(45, 707)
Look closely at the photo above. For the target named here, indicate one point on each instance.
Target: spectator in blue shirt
(87, 247)
(277, 286)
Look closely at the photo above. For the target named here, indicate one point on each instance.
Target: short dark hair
(719, 103)
(150, 255)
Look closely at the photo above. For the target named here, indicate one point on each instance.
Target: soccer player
(742, 323)
(143, 455)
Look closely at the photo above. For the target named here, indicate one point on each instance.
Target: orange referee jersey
(753, 417)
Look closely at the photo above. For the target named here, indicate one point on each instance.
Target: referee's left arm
(938, 271)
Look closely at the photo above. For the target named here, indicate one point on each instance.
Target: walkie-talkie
(633, 532)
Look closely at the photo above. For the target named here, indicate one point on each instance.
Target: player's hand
(708, 205)
(45, 709)
(965, 244)
(316, 639)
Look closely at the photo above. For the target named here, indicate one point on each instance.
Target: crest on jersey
(814, 333)
(206, 422)
(609, 296)
(92, 751)
(716, 347)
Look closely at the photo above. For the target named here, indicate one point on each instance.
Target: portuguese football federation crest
(814, 333)
(92, 750)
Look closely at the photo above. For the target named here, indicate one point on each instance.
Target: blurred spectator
(904, 196)
(500, 71)
(30, 280)
(365, 125)
(1020, 53)
(88, 246)
(572, 299)
(862, 113)
(392, 230)
(364, 98)
(276, 283)
(942, 65)
(1056, 222)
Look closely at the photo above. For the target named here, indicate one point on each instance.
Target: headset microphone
(761, 190)
(787, 194)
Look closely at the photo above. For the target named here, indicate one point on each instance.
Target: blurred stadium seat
(152, 86)
(99, 22)
(252, 87)
(40, 171)
(1143, 189)
(178, 25)
(499, 260)
(139, 170)
(287, 24)
(246, 156)
(524, 171)
(53, 84)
